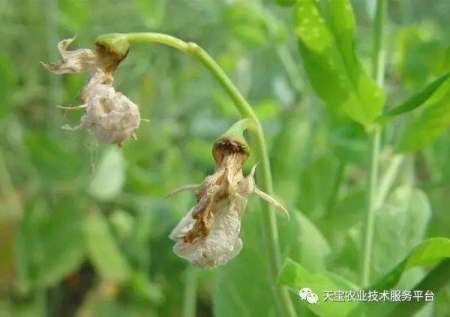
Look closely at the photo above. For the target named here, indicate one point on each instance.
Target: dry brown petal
(72, 61)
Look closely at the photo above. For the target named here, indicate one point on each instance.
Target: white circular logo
(306, 294)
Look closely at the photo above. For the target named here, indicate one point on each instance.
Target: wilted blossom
(110, 115)
(209, 234)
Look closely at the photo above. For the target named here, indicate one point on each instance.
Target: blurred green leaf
(428, 252)
(34, 306)
(53, 159)
(296, 277)
(235, 292)
(316, 186)
(103, 251)
(109, 175)
(416, 100)
(152, 11)
(286, 3)
(314, 248)
(49, 246)
(331, 63)
(421, 53)
(7, 82)
(142, 288)
(402, 219)
(266, 109)
(74, 14)
(348, 140)
(429, 124)
(247, 23)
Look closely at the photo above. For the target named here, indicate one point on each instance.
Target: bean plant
(138, 208)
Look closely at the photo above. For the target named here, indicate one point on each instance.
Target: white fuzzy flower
(208, 235)
(110, 115)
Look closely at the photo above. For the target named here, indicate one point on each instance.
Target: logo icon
(306, 294)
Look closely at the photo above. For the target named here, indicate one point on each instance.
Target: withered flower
(208, 235)
(110, 115)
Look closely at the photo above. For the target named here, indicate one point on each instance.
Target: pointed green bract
(417, 100)
(331, 63)
(430, 123)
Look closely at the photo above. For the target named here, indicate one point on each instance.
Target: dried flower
(110, 115)
(208, 235)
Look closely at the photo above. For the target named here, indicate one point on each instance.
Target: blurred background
(84, 226)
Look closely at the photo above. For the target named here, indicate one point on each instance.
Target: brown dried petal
(72, 61)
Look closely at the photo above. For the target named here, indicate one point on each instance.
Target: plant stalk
(282, 297)
(190, 296)
(375, 141)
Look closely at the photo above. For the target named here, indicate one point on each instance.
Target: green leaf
(49, 246)
(416, 100)
(235, 293)
(109, 175)
(286, 3)
(7, 82)
(103, 251)
(74, 14)
(314, 247)
(53, 158)
(403, 218)
(296, 277)
(428, 252)
(316, 185)
(331, 63)
(429, 124)
(152, 11)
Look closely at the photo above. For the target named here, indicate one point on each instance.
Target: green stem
(375, 139)
(190, 293)
(336, 186)
(373, 183)
(119, 43)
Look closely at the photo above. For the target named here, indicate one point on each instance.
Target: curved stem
(375, 137)
(282, 296)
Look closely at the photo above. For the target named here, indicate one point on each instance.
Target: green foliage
(84, 226)
(422, 129)
(403, 218)
(109, 175)
(296, 277)
(426, 253)
(331, 63)
(416, 100)
(240, 288)
(7, 82)
(101, 245)
(49, 246)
